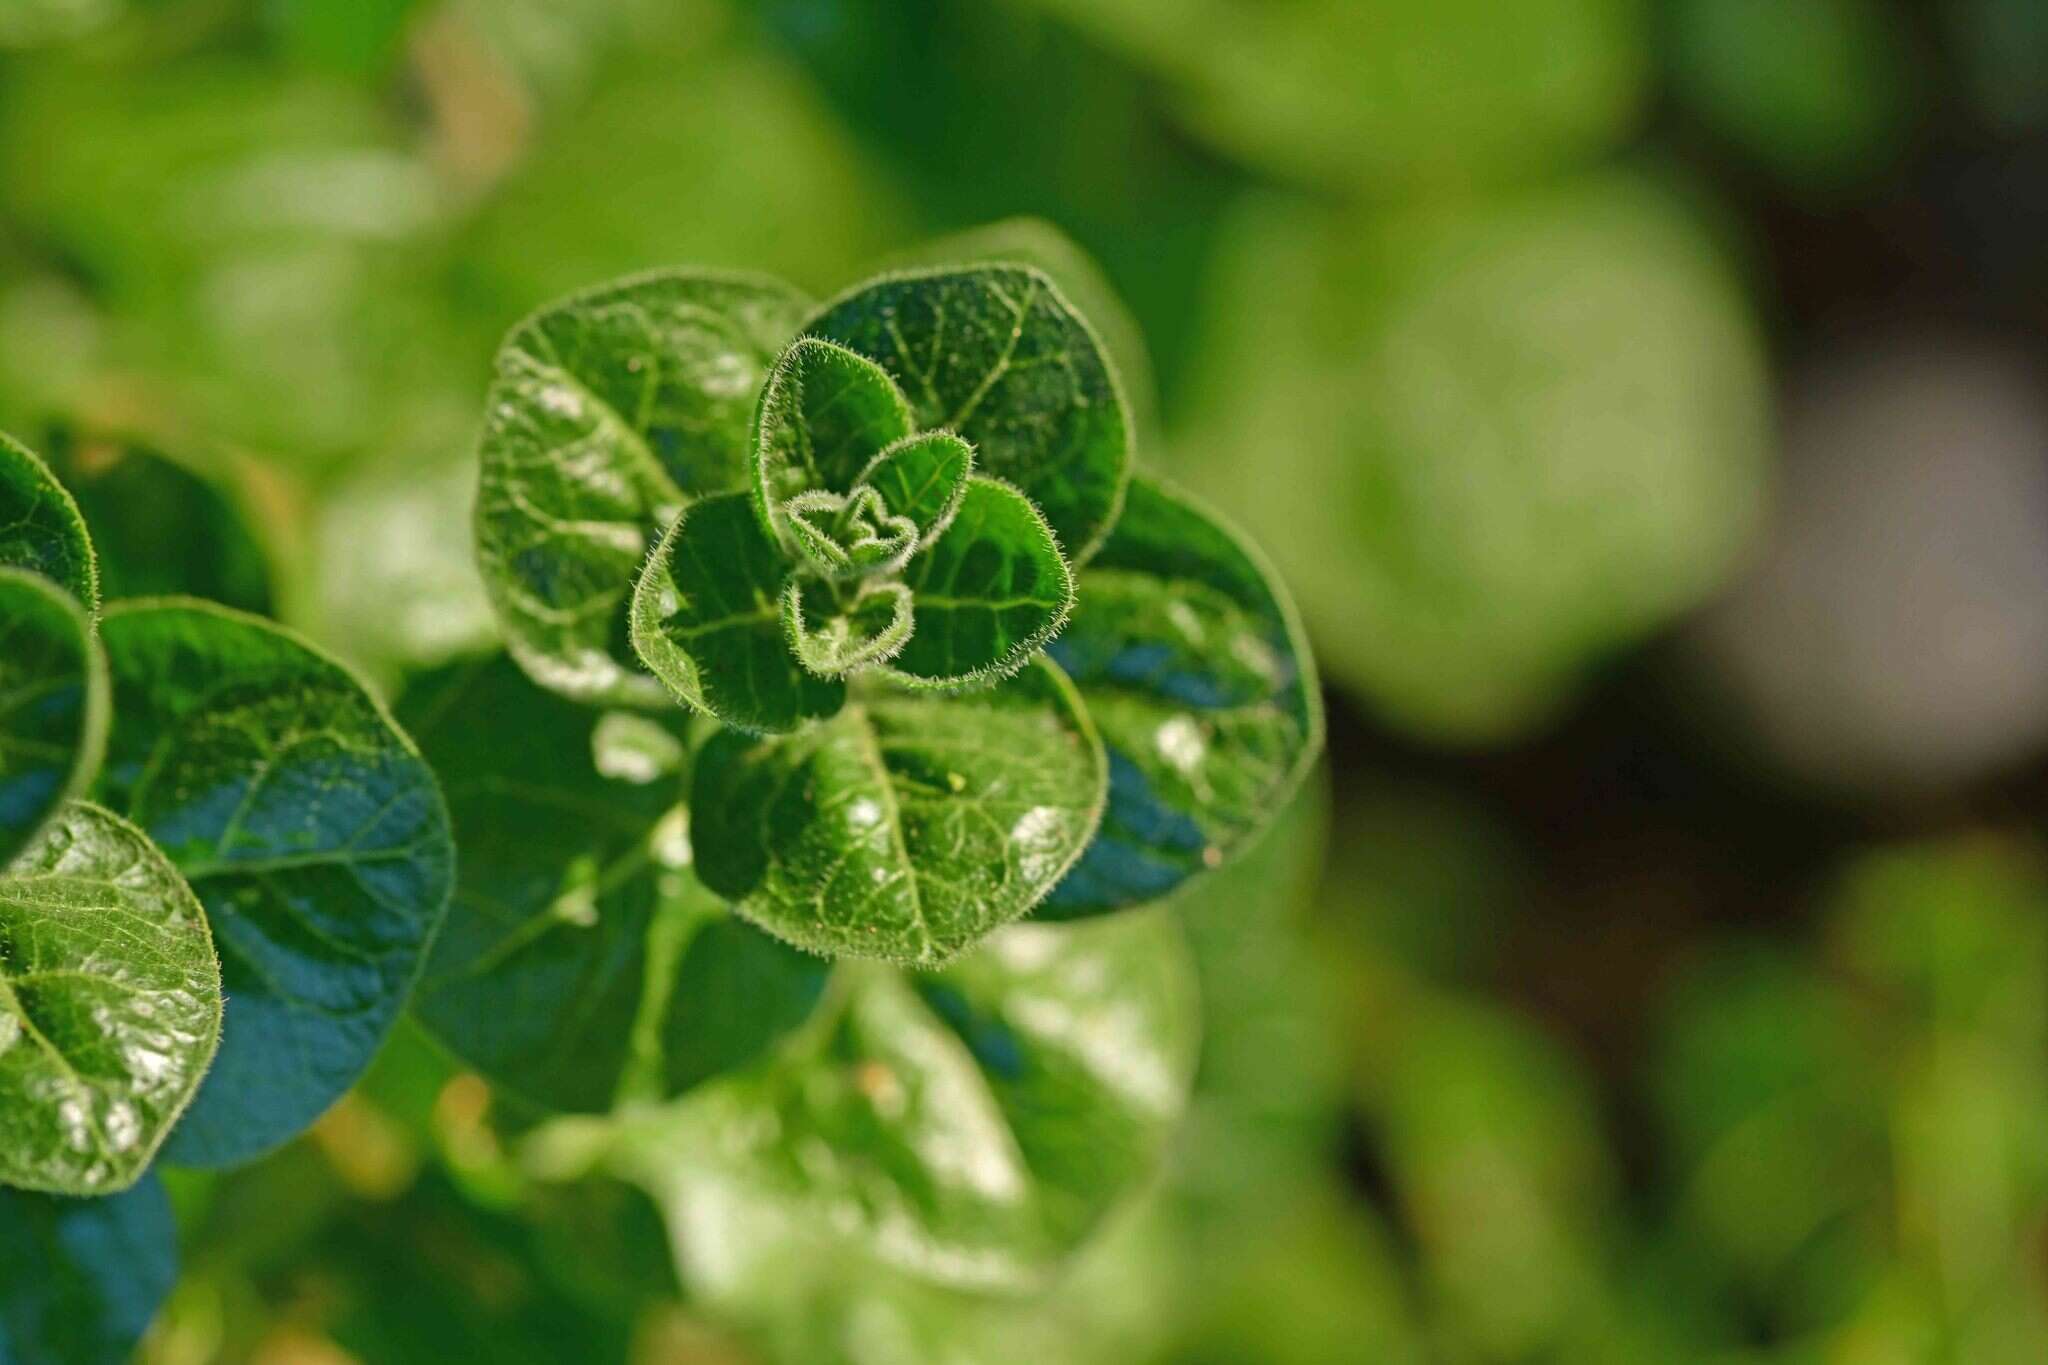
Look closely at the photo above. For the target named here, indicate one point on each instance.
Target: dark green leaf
(988, 592)
(835, 630)
(611, 410)
(996, 354)
(53, 704)
(825, 414)
(161, 528)
(923, 478)
(81, 1279)
(974, 1125)
(40, 529)
(1195, 669)
(110, 1004)
(707, 619)
(314, 834)
(907, 826)
(580, 953)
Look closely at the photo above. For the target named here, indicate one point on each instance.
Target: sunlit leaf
(825, 414)
(581, 959)
(314, 834)
(40, 528)
(907, 826)
(612, 410)
(110, 1004)
(1196, 672)
(995, 354)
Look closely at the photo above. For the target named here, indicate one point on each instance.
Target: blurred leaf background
(1646, 401)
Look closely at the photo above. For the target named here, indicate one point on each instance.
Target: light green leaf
(835, 630)
(997, 355)
(1196, 671)
(923, 478)
(581, 958)
(611, 411)
(110, 1004)
(81, 1279)
(40, 528)
(907, 827)
(707, 619)
(314, 834)
(53, 704)
(973, 1125)
(988, 592)
(825, 414)
(848, 535)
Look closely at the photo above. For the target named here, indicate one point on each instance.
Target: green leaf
(110, 1004)
(906, 827)
(997, 355)
(53, 704)
(707, 619)
(40, 528)
(988, 592)
(611, 411)
(848, 535)
(825, 414)
(923, 478)
(81, 1279)
(314, 834)
(580, 953)
(975, 1124)
(835, 630)
(1195, 669)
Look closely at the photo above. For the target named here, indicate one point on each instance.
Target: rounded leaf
(53, 704)
(995, 353)
(908, 826)
(1195, 669)
(707, 619)
(987, 593)
(825, 414)
(81, 1279)
(923, 478)
(611, 410)
(40, 528)
(314, 834)
(576, 901)
(973, 1125)
(110, 1004)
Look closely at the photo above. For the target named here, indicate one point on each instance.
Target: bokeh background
(1647, 401)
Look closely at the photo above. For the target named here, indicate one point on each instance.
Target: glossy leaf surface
(825, 414)
(314, 835)
(996, 354)
(1196, 672)
(81, 1279)
(835, 630)
(974, 1124)
(906, 827)
(53, 704)
(611, 411)
(40, 528)
(580, 954)
(988, 592)
(110, 1004)
(707, 619)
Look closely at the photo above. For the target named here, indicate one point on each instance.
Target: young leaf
(906, 827)
(988, 592)
(1196, 671)
(975, 1125)
(81, 1279)
(40, 528)
(848, 535)
(996, 354)
(611, 411)
(53, 704)
(825, 414)
(831, 637)
(707, 619)
(314, 834)
(923, 478)
(576, 904)
(110, 1004)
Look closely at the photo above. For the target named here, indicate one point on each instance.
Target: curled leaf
(81, 1279)
(847, 535)
(923, 478)
(834, 631)
(825, 414)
